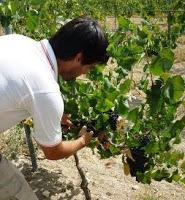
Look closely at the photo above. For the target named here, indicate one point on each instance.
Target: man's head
(78, 46)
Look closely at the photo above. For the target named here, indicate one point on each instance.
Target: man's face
(71, 69)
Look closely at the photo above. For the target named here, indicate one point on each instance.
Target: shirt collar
(51, 55)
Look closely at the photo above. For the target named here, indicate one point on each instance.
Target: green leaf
(182, 180)
(96, 73)
(177, 155)
(177, 127)
(133, 115)
(84, 106)
(154, 98)
(162, 63)
(104, 105)
(177, 140)
(32, 20)
(167, 53)
(125, 86)
(132, 142)
(143, 84)
(92, 144)
(174, 88)
(93, 101)
(37, 2)
(144, 177)
(112, 96)
(104, 153)
(83, 87)
(123, 23)
(108, 86)
(102, 121)
(72, 107)
(175, 176)
(182, 166)
(121, 106)
(114, 150)
(152, 148)
(160, 174)
(127, 62)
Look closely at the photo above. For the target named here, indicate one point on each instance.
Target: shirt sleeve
(46, 110)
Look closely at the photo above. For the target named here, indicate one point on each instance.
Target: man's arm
(68, 148)
(46, 111)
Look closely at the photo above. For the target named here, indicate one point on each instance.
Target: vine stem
(151, 77)
(84, 183)
(31, 147)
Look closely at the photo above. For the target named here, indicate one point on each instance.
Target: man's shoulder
(15, 36)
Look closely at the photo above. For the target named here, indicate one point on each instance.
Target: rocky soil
(60, 180)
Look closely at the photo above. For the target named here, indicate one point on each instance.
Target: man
(28, 87)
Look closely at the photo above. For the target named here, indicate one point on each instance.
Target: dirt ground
(59, 180)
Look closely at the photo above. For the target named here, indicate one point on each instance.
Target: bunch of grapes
(144, 140)
(140, 162)
(115, 122)
(89, 124)
(113, 117)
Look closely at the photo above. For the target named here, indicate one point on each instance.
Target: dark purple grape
(139, 165)
(113, 119)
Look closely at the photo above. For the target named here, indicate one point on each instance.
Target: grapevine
(144, 134)
(113, 121)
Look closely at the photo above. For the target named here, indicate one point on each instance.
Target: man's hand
(85, 135)
(67, 148)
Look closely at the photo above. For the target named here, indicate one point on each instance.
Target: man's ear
(78, 57)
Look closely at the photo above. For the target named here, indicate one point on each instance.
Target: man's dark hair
(84, 35)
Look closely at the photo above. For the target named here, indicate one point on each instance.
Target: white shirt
(28, 87)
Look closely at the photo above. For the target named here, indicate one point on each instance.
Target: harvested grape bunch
(90, 126)
(101, 135)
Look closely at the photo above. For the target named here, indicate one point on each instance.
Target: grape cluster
(140, 159)
(89, 124)
(144, 140)
(140, 162)
(113, 117)
(151, 52)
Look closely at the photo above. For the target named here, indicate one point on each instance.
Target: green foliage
(153, 126)
(155, 119)
(5, 14)
(162, 63)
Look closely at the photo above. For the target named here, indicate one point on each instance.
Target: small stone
(46, 193)
(35, 190)
(63, 189)
(53, 197)
(68, 193)
(93, 183)
(135, 187)
(70, 186)
(108, 194)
